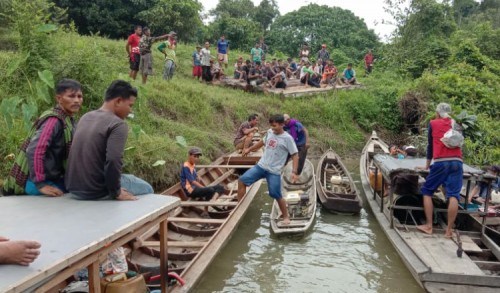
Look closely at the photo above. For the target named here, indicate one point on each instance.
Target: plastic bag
(116, 262)
(453, 138)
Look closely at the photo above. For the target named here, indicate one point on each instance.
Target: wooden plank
(94, 280)
(488, 265)
(177, 244)
(468, 244)
(196, 220)
(438, 287)
(226, 166)
(163, 256)
(438, 254)
(209, 203)
(491, 245)
(292, 224)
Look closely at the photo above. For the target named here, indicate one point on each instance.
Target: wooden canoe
(301, 201)
(337, 194)
(195, 240)
(433, 260)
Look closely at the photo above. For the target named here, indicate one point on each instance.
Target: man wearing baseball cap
(192, 186)
(324, 55)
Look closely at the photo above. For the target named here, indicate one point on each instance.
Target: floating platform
(294, 88)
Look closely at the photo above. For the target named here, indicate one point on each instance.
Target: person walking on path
(168, 49)
(447, 170)
(278, 146)
(145, 44)
(301, 137)
(133, 51)
(223, 50)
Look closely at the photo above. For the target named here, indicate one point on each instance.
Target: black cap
(195, 151)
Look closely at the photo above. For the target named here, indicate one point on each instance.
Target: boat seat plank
(209, 203)
(176, 244)
(293, 224)
(469, 245)
(197, 220)
(440, 254)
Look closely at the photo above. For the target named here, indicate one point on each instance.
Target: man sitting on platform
(245, 132)
(349, 75)
(96, 158)
(191, 184)
(40, 165)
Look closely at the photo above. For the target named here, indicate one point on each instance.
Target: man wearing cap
(192, 186)
(324, 55)
(223, 50)
(197, 71)
(168, 49)
(145, 44)
(300, 136)
(447, 170)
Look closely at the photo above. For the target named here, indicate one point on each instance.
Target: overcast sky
(372, 11)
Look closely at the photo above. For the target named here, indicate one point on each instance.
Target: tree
(315, 24)
(181, 16)
(266, 12)
(113, 18)
(241, 33)
(234, 8)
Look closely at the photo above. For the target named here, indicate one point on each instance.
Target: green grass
(205, 115)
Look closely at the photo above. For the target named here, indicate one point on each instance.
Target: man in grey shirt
(95, 162)
(278, 145)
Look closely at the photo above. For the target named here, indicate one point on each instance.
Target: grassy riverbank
(205, 115)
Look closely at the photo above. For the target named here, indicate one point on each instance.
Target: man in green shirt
(308, 77)
(168, 49)
(256, 54)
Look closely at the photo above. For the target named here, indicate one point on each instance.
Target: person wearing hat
(168, 49)
(447, 169)
(300, 136)
(323, 54)
(192, 185)
(197, 71)
(145, 44)
(480, 191)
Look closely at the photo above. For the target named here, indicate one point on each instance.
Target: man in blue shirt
(301, 137)
(223, 50)
(349, 75)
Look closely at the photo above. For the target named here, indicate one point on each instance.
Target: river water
(340, 254)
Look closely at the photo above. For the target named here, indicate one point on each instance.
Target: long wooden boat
(336, 189)
(469, 263)
(301, 201)
(194, 239)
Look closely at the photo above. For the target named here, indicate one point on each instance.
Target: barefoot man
(446, 170)
(246, 131)
(20, 252)
(278, 145)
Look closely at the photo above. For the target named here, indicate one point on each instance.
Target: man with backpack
(447, 168)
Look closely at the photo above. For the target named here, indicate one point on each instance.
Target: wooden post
(486, 206)
(163, 257)
(94, 279)
(375, 185)
(382, 194)
(467, 192)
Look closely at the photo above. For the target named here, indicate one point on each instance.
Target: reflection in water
(340, 254)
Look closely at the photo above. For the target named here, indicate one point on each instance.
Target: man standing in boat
(447, 169)
(301, 137)
(190, 182)
(246, 131)
(278, 146)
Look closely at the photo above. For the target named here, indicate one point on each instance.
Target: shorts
(147, 64)
(197, 70)
(206, 193)
(273, 180)
(447, 173)
(222, 57)
(135, 61)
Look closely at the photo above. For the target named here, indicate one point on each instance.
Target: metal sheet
(69, 228)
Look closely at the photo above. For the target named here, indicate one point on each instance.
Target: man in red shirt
(133, 51)
(368, 62)
(446, 170)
